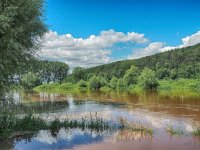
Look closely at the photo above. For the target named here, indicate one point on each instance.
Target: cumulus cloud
(191, 40)
(158, 47)
(85, 52)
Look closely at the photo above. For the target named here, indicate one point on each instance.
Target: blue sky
(166, 21)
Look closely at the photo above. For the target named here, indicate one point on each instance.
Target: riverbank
(175, 87)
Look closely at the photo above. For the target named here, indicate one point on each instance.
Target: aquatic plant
(10, 124)
(133, 126)
(196, 132)
(172, 131)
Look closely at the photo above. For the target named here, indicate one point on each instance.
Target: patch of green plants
(136, 127)
(196, 132)
(172, 131)
(11, 125)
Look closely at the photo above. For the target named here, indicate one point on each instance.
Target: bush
(96, 82)
(147, 79)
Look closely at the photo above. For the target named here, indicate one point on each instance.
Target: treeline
(43, 72)
(174, 64)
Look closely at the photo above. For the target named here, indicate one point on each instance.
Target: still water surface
(150, 108)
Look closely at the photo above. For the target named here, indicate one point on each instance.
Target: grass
(180, 84)
(12, 126)
(172, 131)
(105, 89)
(135, 127)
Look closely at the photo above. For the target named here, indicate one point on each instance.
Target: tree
(62, 71)
(147, 79)
(120, 83)
(78, 73)
(96, 82)
(113, 83)
(21, 30)
(82, 83)
(30, 80)
(131, 76)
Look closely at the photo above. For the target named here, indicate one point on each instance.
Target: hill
(178, 63)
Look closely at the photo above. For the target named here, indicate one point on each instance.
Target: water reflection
(153, 108)
(64, 139)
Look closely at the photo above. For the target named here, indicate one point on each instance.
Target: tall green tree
(21, 30)
(147, 79)
(78, 74)
(113, 83)
(131, 76)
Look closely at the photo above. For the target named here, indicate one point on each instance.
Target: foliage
(78, 74)
(113, 83)
(187, 84)
(30, 80)
(120, 83)
(131, 76)
(174, 64)
(96, 82)
(82, 83)
(147, 79)
(21, 28)
(52, 71)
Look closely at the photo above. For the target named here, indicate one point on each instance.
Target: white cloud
(191, 40)
(151, 49)
(85, 52)
(158, 47)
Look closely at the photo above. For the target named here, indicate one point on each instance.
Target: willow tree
(21, 29)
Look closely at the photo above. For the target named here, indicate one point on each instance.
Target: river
(155, 109)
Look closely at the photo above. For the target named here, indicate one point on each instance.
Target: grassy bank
(56, 87)
(174, 87)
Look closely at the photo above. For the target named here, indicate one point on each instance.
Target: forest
(179, 66)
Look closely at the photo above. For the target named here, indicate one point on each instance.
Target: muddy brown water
(155, 109)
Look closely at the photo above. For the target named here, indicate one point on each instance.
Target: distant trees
(45, 71)
(78, 74)
(53, 71)
(30, 80)
(174, 64)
